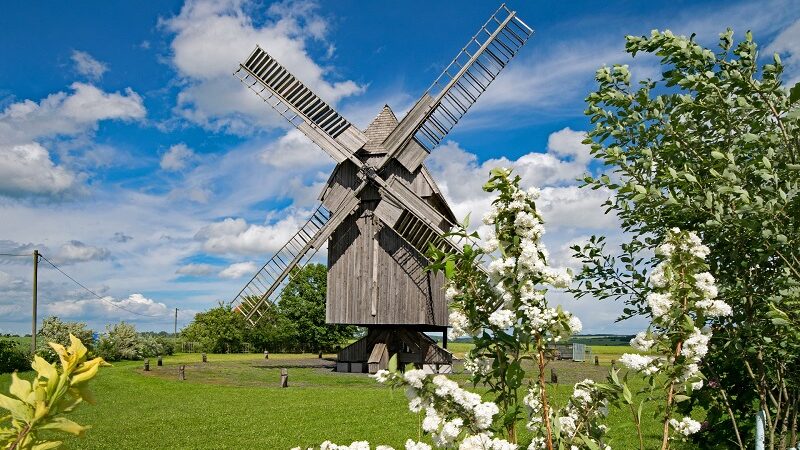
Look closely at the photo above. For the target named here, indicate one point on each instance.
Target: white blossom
(502, 318)
(641, 342)
(415, 377)
(575, 325)
(696, 345)
(660, 304)
(687, 426)
(657, 277)
(639, 363)
(411, 445)
(705, 282)
(714, 308)
(459, 323)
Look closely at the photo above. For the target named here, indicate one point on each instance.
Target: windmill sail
(459, 86)
(268, 283)
(300, 105)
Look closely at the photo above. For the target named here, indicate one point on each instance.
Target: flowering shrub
(504, 309)
(682, 300)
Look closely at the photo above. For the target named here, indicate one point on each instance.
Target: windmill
(381, 208)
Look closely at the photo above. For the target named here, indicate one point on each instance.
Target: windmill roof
(379, 129)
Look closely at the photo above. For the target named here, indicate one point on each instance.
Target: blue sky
(132, 158)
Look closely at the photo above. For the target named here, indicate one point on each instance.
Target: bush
(121, 341)
(167, 346)
(55, 330)
(12, 357)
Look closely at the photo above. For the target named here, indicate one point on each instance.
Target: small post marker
(320, 355)
(182, 373)
(553, 376)
(266, 354)
(205, 358)
(160, 362)
(147, 365)
(284, 377)
(613, 363)
(596, 360)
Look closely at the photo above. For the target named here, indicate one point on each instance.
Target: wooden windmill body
(381, 208)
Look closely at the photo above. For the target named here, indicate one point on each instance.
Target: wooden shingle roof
(379, 129)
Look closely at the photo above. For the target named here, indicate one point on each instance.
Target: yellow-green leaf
(47, 445)
(20, 388)
(19, 410)
(65, 425)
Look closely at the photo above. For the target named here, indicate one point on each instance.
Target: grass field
(234, 402)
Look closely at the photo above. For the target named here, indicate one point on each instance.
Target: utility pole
(176, 322)
(35, 294)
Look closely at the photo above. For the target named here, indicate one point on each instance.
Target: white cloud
(177, 157)
(196, 269)
(86, 65)
(787, 44)
(63, 114)
(211, 38)
(28, 169)
(293, 150)
(238, 270)
(77, 251)
(109, 308)
(236, 236)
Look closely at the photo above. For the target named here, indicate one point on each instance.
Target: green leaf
(681, 398)
(717, 155)
(626, 393)
(46, 445)
(794, 93)
(690, 177)
(449, 268)
(392, 367)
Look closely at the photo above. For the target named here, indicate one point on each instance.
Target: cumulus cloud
(294, 149)
(121, 237)
(67, 114)
(211, 38)
(787, 44)
(108, 307)
(27, 169)
(76, 251)
(236, 236)
(196, 269)
(177, 157)
(238, 270)
(86, 65)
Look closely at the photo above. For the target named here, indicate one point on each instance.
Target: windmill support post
(35, 299)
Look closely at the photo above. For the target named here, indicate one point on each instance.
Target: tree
(302, 303)
(55, 330)
(713, 146)
(218, 330)
(121, 341)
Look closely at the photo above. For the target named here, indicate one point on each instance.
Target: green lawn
(234, 401)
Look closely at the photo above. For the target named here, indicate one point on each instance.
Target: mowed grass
(234, 402)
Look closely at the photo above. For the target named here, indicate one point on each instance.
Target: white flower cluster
(436, 396)
(502, 318)
(364, 445)
(695, 346)
(642, 342)
(640, 363)
(484, 441)
(459, 324)
(660, 304)
(478, 365)
(585, 406)
(533, 403)
(687, 426)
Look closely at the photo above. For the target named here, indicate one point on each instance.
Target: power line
(95, 294)
(12, 254)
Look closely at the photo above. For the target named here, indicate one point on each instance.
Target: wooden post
(182, 373)
(320, 355)
(284, 377)
(553, 376)
(266, 354)
(35, 299)
(205, 358)
(146, 365)
(160, 361)
(613, 364)
(596, 360)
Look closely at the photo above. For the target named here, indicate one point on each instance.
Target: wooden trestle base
(372, 352)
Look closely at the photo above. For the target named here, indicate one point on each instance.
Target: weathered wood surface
(284, 378)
